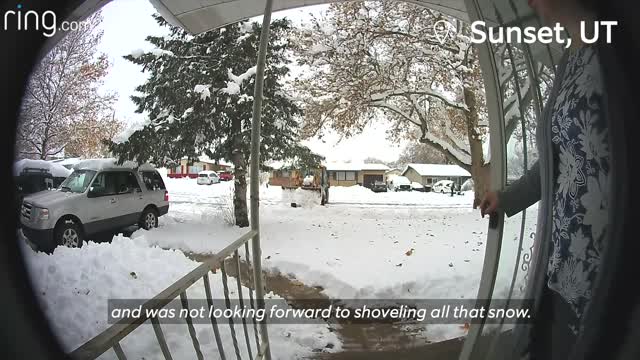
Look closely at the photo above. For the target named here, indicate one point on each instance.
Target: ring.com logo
(46, 21)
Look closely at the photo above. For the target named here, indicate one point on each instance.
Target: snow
(318, 48)
(246, 27)
(161, 52)
(134, 126)
(330, 246)
(76, 301)
(486, 149)
(110, 163)
(401, 180)
(137, 53)
(463, 157)
(247, 74)
(242, 38)
(67, 161)
(233, 86)
(187, 112)
(203, 90)
(438, 170)
(55, 169)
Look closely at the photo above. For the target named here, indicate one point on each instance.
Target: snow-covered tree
(198, 100)
(371, 60)
(382, 59)
(62, 94)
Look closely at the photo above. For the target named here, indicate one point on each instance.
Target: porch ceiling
(197, 16)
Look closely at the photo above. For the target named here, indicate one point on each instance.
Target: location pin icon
(441, 30)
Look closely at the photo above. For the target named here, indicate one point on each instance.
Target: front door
(517, 79)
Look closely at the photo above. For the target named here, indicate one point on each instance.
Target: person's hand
(489, 203)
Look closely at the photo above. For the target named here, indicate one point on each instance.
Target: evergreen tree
(199, 98)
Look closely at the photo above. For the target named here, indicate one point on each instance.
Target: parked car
(416, 186)
(225, 176)
(97, 197)
(33, 180)
(208, 177)
(442, 186)
(379, 186)
(400, 183)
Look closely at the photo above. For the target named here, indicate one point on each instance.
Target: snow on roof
(56, 169)
(401, 180)
(68, 161)
(110, 163)
(355, 167)
(437, 170)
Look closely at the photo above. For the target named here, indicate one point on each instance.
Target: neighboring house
(285, 177)
(349, 174)
(191, 169)
(429, 174)
(282, 173)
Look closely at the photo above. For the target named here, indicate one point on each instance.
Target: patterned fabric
(581, 165)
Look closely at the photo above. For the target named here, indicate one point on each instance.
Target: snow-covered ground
(182, 190)
(363, 245)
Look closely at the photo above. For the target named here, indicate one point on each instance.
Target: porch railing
(259, 345)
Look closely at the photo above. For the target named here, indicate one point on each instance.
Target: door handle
(113, 201)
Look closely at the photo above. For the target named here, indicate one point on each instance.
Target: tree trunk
(479, 171)
(240, 177)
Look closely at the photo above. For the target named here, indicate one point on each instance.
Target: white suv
(208, 178)
(98, 196)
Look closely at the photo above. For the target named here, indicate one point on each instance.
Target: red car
(225, 176)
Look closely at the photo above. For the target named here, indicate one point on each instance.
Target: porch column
(255, 173)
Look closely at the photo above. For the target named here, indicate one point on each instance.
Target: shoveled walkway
(359, 341)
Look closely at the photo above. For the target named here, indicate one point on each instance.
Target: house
(192, 168)
(283, 174)
(349, 174)
(429, 174)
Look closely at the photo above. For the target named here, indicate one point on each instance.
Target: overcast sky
(128, 22)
